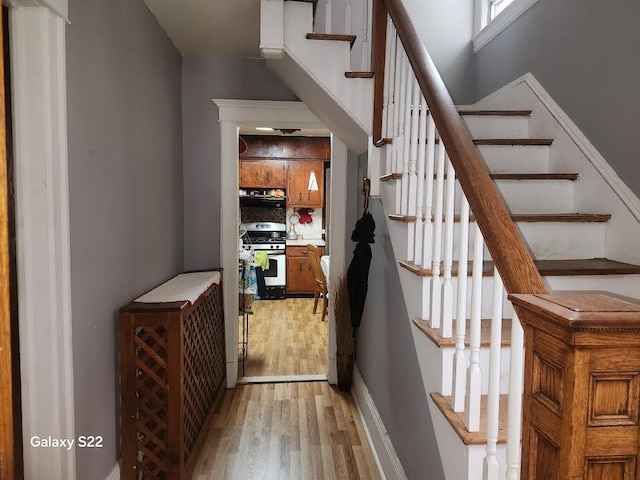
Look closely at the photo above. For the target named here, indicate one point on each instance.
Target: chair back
(314, 255)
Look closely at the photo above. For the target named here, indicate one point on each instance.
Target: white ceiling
(200, 27)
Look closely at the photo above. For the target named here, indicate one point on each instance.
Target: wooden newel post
(582, 386)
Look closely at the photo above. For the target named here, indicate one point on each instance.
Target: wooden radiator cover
(173, 371)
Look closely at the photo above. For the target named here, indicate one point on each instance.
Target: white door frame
(254, 113)
(38, 66)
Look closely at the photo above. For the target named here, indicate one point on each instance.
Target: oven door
(275, 277)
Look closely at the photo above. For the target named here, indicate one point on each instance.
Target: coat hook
(366, 190)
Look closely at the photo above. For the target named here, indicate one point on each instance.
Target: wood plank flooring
(297, 431)
(286, 338)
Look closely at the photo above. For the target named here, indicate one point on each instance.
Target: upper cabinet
(305, 184)
(262, 174)
(294, 163)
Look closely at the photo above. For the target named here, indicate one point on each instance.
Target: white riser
(538, 196)
(459, 461)
(516, 158)
(628, 285)
(525, 196)
(314, 71)
(497, 127)
(547, 241)
(418, 305)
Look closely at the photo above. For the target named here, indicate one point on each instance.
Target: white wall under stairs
(315, 71)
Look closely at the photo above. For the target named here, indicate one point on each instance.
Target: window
(493, 16)
(497, 6)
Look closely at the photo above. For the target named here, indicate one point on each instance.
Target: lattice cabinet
(173, 371)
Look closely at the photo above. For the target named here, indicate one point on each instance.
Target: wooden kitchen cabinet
(298, 193)
(262, 174)
(300, 277)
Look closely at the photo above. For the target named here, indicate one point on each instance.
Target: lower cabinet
(300, 277)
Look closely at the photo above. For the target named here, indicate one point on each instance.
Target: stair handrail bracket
(504, 242)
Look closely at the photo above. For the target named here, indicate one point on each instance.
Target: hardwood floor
(285, 338)
(297, 431)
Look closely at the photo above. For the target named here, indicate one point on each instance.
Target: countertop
(305, 241)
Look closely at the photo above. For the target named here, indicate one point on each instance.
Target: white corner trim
(60, 8)
(626, 195)
(384, 453)
(115, 473)
(509, 15)
(42, 231)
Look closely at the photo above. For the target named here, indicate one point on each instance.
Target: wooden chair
(320, 287)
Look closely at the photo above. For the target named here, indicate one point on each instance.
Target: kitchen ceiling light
(265, 129)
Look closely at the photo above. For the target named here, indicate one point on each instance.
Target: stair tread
(496, 113)
(540, 142)
(549, 268)
(457, 421)
(503, 176)
(434, 335)
(352, 74)
(529, 217)
(332, 36)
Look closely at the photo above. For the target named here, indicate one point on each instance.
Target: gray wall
(446, 28)
(205, 78)
(585, 54)
(125, 174)
(387, 357)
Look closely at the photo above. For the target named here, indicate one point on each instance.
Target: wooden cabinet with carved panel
(299, 176)
(262, 174)
(300, 278)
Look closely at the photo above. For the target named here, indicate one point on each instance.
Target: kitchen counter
(305, 241)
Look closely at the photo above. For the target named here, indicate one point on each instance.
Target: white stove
(271, 237)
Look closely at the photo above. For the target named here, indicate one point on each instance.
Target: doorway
(283, 198)
(233, 115)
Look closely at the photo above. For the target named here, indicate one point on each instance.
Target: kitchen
(284, 206)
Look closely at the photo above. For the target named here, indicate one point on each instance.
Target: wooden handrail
(508, 250)
(378, 49)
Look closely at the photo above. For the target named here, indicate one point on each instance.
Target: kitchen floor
(285, 338)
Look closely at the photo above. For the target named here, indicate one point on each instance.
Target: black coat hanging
(358, 271)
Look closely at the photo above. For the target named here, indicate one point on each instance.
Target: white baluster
(428, 203)
(387, 84)
(347, 17)
(407, 136)
(514, 425)
(365, 53)
(436, 279)
(472, 407)
(396, 104)
(491, 468)
(422, 136)
(459, 358)
(446, 325)
(413, 160)
(327, 17)
(401, 126)
(392, 116)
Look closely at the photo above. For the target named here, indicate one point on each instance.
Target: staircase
(468, 342)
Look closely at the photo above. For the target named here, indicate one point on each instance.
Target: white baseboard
(384, 453)
(115, 472)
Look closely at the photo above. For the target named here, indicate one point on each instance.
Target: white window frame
(486, 29)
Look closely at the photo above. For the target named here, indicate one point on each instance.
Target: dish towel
(262, 260)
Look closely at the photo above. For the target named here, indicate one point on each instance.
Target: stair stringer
(314, 70)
